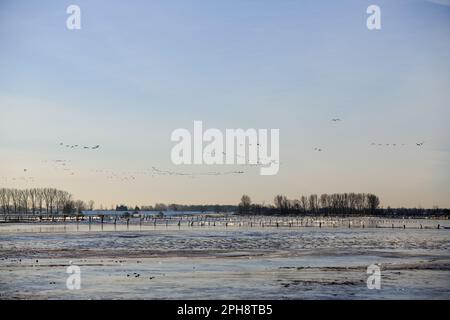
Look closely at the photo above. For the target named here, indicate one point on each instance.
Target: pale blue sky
(137, 71)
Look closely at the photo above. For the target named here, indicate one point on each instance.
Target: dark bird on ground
(96, 147)
(335, 119)
(419, 144)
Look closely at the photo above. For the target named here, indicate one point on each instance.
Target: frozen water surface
(158, 262)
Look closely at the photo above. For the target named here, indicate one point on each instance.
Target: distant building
(121, 208)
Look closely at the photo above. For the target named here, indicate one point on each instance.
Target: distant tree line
(331, 204)
(40, 200)
(54, 201)
(328, 204)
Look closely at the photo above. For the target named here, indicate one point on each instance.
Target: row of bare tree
(40, 200)
(336, 203)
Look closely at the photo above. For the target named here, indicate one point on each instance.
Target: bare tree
(373, 202)
(46, 197)
(62, 197)
(50, 197)
(91, 205)
(323, 201)
(244, 205)
(24, 197)
(245, 201)
(278, 202)
(5, 197)
(33, 194)
(313, 203)
(304, 203)
(15, 197)
(39, 198)
(79, 206)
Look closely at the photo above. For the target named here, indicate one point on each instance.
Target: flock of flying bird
(157, 171)
(259, 163)
(332, 120)
(17, 179)
(63, 165)
(154, 171)
(74, 146)
(418, 144)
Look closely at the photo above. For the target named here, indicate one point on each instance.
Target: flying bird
(73, 146)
